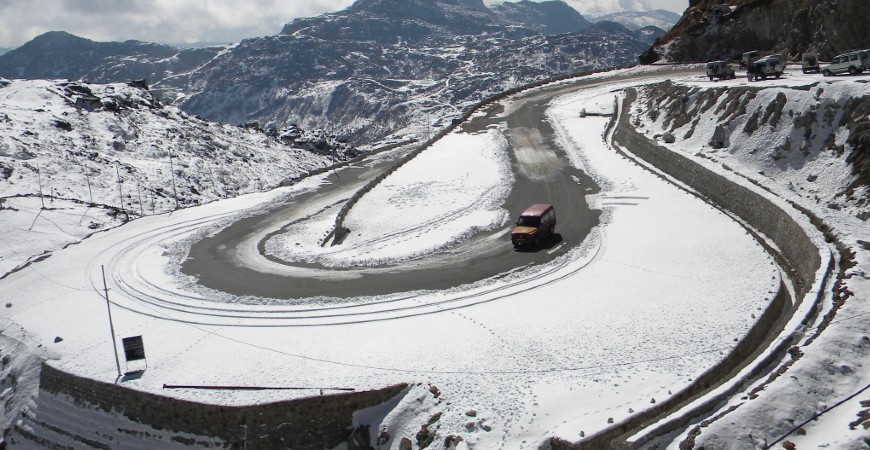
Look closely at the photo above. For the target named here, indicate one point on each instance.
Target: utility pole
(90, 194)
(120, 191)
(172, 172)
(111, 325)
(39, 176)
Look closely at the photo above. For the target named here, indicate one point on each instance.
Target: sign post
(134, 350)
(111, 325)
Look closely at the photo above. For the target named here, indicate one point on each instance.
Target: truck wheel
(853, 70)
(826, 73)
(537, 240)
(778, 75)
(711, 78)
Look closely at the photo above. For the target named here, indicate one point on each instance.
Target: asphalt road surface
(542, 175)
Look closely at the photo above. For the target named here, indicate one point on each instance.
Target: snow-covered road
(660, 291)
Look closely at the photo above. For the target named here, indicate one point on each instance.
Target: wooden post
(139, 189)
(39, 176)
(172, 172)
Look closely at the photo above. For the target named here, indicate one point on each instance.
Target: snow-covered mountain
(372, 69)
(98, 155)
(58, 54)
(635, 20)
(86, 141)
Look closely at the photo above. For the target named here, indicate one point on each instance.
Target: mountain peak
(399, 5)
(548, 17)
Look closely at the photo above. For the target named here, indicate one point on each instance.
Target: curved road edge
(807, 260)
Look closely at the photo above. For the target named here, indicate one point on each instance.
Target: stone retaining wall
(307, 423)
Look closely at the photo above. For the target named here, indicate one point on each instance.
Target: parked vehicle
(851, 62)
(764, 68)
(748, 58)
(534, 224)
(810, 63)
(780, 62)
(720, 70)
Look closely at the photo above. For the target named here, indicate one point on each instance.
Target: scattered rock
(812, 178)
(470, 426)
(359, 439)
(610, 420)
(435, 391)
(383, 437)
(406, 444)
(424, 437)
(58, 339)
(720, 137)
(471, 413)
(62, 124)
(668, 138)
(141, 84)
(452, 442)
(9, 305)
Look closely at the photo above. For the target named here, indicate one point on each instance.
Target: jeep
(720, 70)
(810, 63)
(534, 224)
(851, 62)
(765, 67)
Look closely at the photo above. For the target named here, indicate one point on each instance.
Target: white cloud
(172, 21)
(154, 20)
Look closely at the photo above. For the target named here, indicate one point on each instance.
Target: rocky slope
(790, 27)
(812, 139)
(98, 143)
(375, 68)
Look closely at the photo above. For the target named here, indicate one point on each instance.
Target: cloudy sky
(216, 21)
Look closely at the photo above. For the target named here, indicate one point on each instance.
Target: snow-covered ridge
(802, 140)
(801, 136)
(70, 147)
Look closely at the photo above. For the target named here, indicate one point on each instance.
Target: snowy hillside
(804, 140)
(104, 154)
(802, 135)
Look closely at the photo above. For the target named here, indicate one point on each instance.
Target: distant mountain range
(634, 20)
(375, 68)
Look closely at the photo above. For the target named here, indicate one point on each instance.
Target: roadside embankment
(800, 250)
